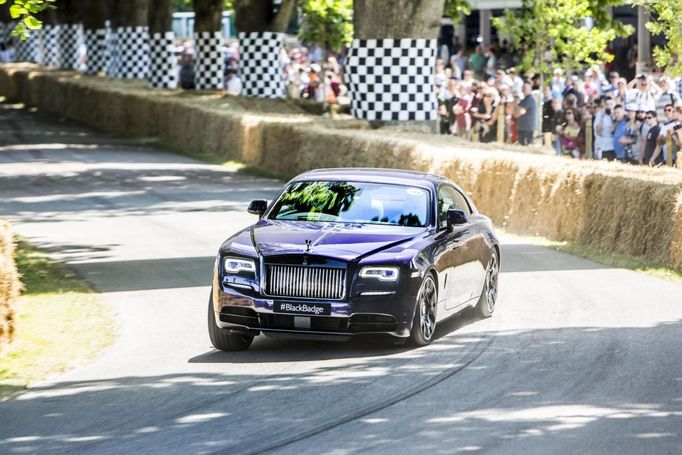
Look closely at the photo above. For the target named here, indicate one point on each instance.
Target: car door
(460, 252)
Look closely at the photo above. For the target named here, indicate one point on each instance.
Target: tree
(25, 11)
(552, 33)
(327, 23)
(456, 10)
(665, 20)
(262, 15)
(397, 18)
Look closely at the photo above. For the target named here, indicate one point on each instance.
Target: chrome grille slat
(305, 282)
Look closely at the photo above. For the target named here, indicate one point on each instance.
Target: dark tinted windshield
(353, 202)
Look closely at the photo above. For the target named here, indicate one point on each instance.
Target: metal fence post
(500, 123)
(588, 138)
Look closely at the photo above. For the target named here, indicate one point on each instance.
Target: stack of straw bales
(614, 207)
(9, 284)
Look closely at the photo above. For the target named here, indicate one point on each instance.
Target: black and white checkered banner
(128, 52)
(260, 64)
(70, 42)
(27, 50)
(96, 51)
(48, 47)
(210, 65)
(392, 79)
(163, 71)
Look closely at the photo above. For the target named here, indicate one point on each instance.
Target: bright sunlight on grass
(61, 322)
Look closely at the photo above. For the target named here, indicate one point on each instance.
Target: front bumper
(377, 316)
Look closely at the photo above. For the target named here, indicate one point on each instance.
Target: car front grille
(306, 282)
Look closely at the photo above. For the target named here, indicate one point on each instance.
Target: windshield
(353, 202)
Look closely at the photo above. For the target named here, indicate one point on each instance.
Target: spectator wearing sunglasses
(668, 125)
(668, 96)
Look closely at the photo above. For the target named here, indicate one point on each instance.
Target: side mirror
(456, 217)
(258, 207)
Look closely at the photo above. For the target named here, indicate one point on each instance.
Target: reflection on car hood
(346, 241)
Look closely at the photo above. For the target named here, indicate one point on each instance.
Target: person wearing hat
(643, 92)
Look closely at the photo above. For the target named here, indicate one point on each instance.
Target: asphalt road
(578, 358)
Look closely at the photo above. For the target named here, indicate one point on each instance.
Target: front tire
(424, 324)
(486, 302)
(223, 339)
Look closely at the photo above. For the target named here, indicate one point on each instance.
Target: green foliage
(328, 23)
(24, 11)
(550, 33)
(665, 20)
(456, 10)
(185, 6)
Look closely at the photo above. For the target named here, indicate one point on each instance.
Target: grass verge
(615, 260)
(61, 322)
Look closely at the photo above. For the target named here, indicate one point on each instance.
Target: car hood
(346, 241)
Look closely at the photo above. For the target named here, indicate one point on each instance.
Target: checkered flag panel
(133, 52)
(96, 48)
(392, 79)
(260, 64)
(163, 71)
(70, 40)
(210, 65)
(48, 49)
(27, 50)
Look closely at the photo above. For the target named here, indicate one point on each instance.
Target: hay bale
(9, 284)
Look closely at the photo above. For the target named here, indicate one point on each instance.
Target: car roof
(379, 175)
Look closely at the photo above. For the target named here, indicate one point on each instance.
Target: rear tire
(486, 302)
(223, 339)
(424, 324)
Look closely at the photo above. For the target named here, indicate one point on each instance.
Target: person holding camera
(603, 131)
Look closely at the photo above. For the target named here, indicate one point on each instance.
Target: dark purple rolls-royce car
(348, 252)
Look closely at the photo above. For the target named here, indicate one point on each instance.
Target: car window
(353, 202)
(447, 197)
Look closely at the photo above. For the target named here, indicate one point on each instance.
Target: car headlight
(236, 265)
(380, 273)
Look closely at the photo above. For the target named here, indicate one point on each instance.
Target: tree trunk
(95, 13)
(397, 18)
(70, 33)
(162, 68)
(68, 11)
(390, 67)
(128, 45)
(160, 16)
(260, 15)
(209, 65)
(128, 13)
(48, 38)
(208, 15)
(262, 26)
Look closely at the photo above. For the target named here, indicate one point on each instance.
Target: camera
(677, 127)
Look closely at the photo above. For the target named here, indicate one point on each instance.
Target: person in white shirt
(234, 83)
(603, 131)
(644, 95)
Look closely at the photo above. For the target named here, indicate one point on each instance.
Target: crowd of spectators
(588, 113)
(308, 73)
